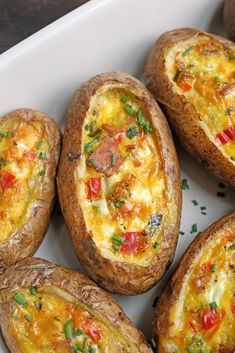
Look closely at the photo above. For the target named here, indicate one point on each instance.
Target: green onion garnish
(195, 202)
(187, 51)
(42, 155)
(231, 57)
(203, 350)
(217, 79)
(88, 146)
(33, 291)
(129, 110)
(140, 118)
(213, 305)
(40, 143)
(214, 267)
(176, 75)
(28, 317)
(191, 350)
(181, 233)
(76, 349)
(93, 350)
(203, 208)
(156, 245)
(4, 134)
(68, 329)
(118, 239)
(20, 299)
(184, 184)
(113, 160)
(194, 228)
(42, 172)
(38, 306)
(86, 127)
(115, 248)
(123, 99)
(92, 162)
(148, 127)
(153, 343)
(78, 332)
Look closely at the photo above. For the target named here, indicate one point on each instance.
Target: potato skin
(26, 240)
(115, 276)
(181, 113)
(229, 18)
(33, 272)
(170, 294)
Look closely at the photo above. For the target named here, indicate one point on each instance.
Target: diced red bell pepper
(132, 242)
(233, 306)
(210, 318)
(226, 135)
(94, 187)
(186, 87)
(207, 266)
(6, 180)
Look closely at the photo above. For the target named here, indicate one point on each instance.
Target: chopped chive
(128, 108)
(42, 155)
(176, 75)
(92, 162)
(204, 213)
(194, 228)
(232, 158)
(140, 118)
(76, 348)
(78, 332)
(148, 127)
(28, 317)
(184, 184)
(88, 146)
(93, 350)
(42, 172)
(86, 127)
(156, 245)
(213, 305)
(33, 291)
(4, 134)
(38, 306)
(132, 132)
(191, 350)
(181, 233)
(40, 143)
(118, 239)
(115, 248)
(220, 194)
(195, 202)
(123, 99)
(187, 51)
(203, 350)
(221, 185)
(214, 267)
(68, 329)
(20, 299)
(228, 111)
(203, 208)
(113, 160)
(231, 57)
(153, 343)
(217, 79)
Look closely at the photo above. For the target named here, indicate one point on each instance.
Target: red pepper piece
(132, 242)
(6, 180)
(186, 87)
(95, 334)
(94, 187)
(207, 266)
(210, 318)
(226, 135)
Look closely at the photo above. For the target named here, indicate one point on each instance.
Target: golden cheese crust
(29, 154)
(34, 276)
(107, 264)
(196, 310)
(211, 144)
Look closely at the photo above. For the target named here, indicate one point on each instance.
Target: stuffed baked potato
(29, 153)
(118, 183)
(47, 308)
(192, 74)
(196, 311)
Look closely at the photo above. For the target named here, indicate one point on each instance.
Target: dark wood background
(20, 18)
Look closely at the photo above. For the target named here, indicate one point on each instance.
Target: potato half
(119, 185)
(192, 74)
(29, 154)
(196, 310)
(47, 308)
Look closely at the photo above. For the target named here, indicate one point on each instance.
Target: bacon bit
(30, 155)
(95, 334)
(135, 243)
(226, 135)
(233, 305)
(94, 187)
(210, 318)
(117, 134)
(6, 180)
(186, 87)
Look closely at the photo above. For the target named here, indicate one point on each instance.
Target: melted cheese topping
(22, 158)
(203, 318)
(120, 208)
(203, 70)
(49, 320)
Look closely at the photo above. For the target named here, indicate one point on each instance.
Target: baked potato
(196, 310)
(118, 184)
(47, 308)
(192, 74)
(29, 153)
(229, 18)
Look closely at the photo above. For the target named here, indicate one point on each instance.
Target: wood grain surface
(21, 18)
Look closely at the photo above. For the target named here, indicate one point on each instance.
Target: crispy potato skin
(35, 272)
(229, 18)
(25, 241)
(170, 294)
(115, 276)
(181, 113)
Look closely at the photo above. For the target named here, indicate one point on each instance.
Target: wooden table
(21, 18)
